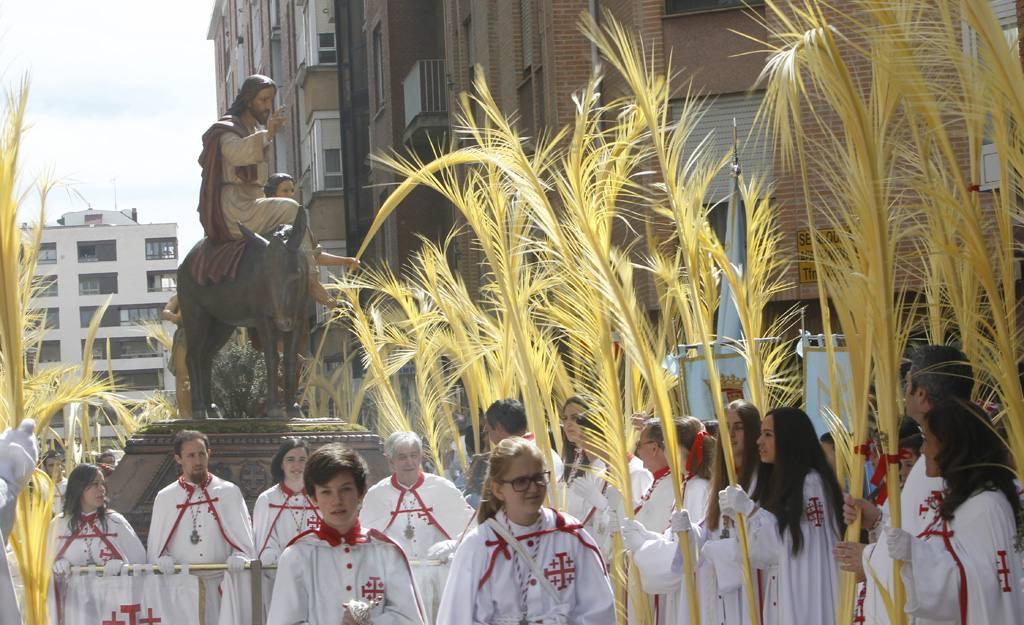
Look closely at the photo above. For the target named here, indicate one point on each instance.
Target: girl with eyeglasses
(582, 486)
(87, 532)
(525, 564)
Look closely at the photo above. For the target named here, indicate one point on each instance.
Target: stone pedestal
(240, 452)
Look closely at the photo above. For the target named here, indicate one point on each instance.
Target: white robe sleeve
(261, 520)
(127, 541)
(240, 151)
(764, 540)
(459, 600)
(594, 600)
(237, 522)
(289, 604)
(160, 523)
(932, 581)
(9, 614)
(380, 500)
(401, 605)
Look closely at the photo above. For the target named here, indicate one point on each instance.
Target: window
(1006, 12)
(48, 287)
(142, 380)
(97, 283)
(51, 320)
(49, 351)
(526, 31)
(467, 33)
(256, 30)
(47, 254)
(122, 348)
(715, 127)
(693, 6)
(300, 21)
(161, 281)
(96, 251)
(378, 65)
(133, 315)
(326, 50)
(109, 319)
(323, 147)
(161, 249)
(93, 219)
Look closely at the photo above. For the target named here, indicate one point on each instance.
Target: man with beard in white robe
(339, 573)
(202, 519)
(18, 453)
(935, 373)
(423, 513)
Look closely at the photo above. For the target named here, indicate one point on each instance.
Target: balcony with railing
(426, 101)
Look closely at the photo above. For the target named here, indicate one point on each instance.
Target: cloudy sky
(120, 90)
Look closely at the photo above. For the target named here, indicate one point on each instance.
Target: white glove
(61, 567)
(734, 500)
(590, 492)
(443, 550)
(269, 557)
(898, 542)
(681, 521)
(614, 503)
(18, 453)
(236, 563)
(634, 534)
(112, 568)
(165, 564)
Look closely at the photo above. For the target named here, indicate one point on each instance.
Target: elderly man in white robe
(202, 519)
(423, 513)
(18, 453)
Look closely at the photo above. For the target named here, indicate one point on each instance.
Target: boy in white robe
(525, 563)
(202, 519)
(18, 453)
(341, 574)
(423, 513)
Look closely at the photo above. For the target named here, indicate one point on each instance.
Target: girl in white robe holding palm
(965, 566)
(796, 522)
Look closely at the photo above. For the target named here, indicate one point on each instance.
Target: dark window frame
(98, 256)
(159, 253)
(672, 7)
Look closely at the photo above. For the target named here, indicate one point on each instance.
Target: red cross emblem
(561, 571)
(107, 554)
(815, 513)
(373, 590)
(933, 502)
(149, 619)
(130, 610)
(312, 522)
(1003, 571)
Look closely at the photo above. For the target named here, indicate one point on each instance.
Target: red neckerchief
(334, 538)
(658, 475)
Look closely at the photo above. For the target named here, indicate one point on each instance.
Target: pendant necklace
(194, 538)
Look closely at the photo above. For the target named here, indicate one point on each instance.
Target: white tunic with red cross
(920, 497)
(490, 584)
(281, 514)
(967, 571)
(322, 570)
(417, 518)
(204, 524)
(94, 541)
(800, 589)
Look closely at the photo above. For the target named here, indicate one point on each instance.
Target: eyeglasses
(521, 484)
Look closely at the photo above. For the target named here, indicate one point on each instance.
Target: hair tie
(696, 451)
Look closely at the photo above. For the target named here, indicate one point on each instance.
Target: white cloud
(119, 89)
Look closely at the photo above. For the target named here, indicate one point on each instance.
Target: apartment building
(91, 257)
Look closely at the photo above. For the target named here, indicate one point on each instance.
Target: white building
(94, 255)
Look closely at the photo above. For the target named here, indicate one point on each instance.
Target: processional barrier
(136, 614)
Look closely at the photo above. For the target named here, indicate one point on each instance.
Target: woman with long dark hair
(964, 568)
(582, 481)
(87, 532)
(794, 524)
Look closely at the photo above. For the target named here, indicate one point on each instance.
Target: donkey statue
(269, 293)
